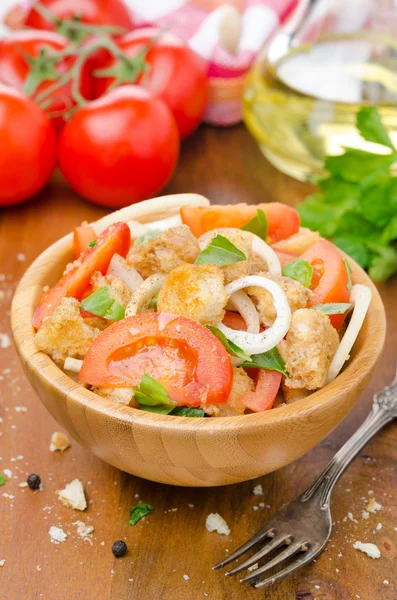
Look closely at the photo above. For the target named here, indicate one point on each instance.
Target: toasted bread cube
(243, 241)
(164, 253)
(299, 242)
(196, 292)
(121, 395)
(242, 383)
(118, 289)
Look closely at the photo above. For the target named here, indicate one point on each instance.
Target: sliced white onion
(146, 291)
(360, 296)
(256, 343)
(167, 223)
(73, 364)
(119, 268)
(137, 228)
(259, 247)
(243, 303)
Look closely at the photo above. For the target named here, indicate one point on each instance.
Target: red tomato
(329, 283)
(33, 80)
(285, 257)
(234, 321)
(92, 12)
(283, 220)
(28, 147)
(119, 149)
(115, 239)
(82, 236)
(265, 393)
(186, 358)
(176, 75)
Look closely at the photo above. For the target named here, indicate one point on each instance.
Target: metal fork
(301, 529)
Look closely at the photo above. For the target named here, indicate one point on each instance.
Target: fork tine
(260, 535)
(275, 543)
(301, 562)
(287, 553)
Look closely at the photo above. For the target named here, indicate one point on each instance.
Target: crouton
(194, 291)
(242, 384)
(164, 253)
(310, 345)
(118, 289)
(121, 395)
(297, 295)
(299, 242)
(243, 241)
(64, 333)
(293, 394)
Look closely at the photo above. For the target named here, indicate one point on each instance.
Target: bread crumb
(386, 582)
(20, 409)
(379, 526)
(2, 562)
(59, 441)
(5, 341)
(258, 490)
(38, 568)
(373, 506)
(186, 577)
(10, 496)
(21, 257)
(84, 530)
(57, 535)
(7, 473)
(350, 516)
(214, 522)
(365, 514)
(23, 484)
(73, 495)
(371, 550)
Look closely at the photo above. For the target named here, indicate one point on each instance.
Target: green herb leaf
(2, 479)
(147, 237)
(220, 252)
(187, 411)
(270, 360)
(100, 303)
(160, 410)
(383, 261)
(153, 302)
(139, 511)
(349, 273)
(151, 393)
(371, 127)
(300, 270)
(354, 248)
(230, 346)
(334, 308)
(93, 243)
(257, 225)
(354, 165)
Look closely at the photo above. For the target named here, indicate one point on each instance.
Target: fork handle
(384, 410)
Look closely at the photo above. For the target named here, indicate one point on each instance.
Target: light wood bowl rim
(25, 300)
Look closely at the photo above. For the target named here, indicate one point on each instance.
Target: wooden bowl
(181, 450)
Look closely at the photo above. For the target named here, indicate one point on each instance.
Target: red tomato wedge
(285, 257)
(182, 355)
(234, 321)
(283, 220)
(329, 283)
(115, 239)
(265, 393)
(82, 236)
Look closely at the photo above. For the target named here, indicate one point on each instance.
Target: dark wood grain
(226, 166)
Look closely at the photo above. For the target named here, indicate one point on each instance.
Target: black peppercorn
(119, 548)
(34, 481)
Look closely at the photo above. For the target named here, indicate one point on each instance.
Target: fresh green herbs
(270, 360)
(92, 244)
(147, 237)
(2, 479)
(356, 206)
(139, 511)
(349, 272)
(257, 225)
(152, 396)
(300, 270)
(153, 302)
(334, 308)
(100, 303)
(187, 411)
(230, 346)
(220, 252)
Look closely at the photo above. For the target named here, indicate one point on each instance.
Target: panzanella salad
(217, 311)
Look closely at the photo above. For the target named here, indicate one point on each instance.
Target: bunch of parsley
(356, 206)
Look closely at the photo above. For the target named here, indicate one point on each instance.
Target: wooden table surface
(171, 552)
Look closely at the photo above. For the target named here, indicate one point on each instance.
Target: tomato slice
(264, 395)
(234, 321)
(285, 257)
(330, 279)
(82, 236)
(184, 356)
(283, 220)
(115, 239)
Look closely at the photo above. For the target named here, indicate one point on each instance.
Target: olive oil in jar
(303, 107)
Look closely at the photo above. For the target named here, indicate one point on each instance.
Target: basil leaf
(334, 308)
(349, 271)
(100, 303)
(257, 225)
(354, 248)
(147, 237)
(383, 262)
(139, 511)
(161, 410)
(220, 252)
(270, 360)
(93, 243)
(151, 393)
(300, 270)
(2, 479)
(153, 302)
(187, 411)
(371, 127)
(230, 346)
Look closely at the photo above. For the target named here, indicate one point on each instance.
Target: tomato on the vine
(120, 148)
(166, 67)
(29, 62)
(28, 143)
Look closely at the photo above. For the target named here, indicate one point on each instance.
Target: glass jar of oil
(301, 97)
